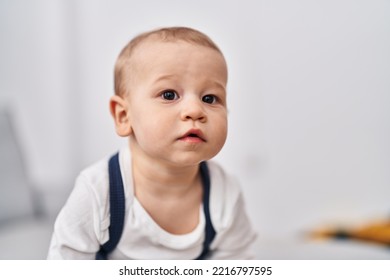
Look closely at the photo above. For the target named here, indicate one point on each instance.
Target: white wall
(35, 84)
(309, 92)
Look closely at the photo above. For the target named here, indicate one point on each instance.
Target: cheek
(224, 134)
(151, 129)
(220, 130)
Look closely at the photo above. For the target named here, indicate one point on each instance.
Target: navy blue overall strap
(210, 231)
(117, 208)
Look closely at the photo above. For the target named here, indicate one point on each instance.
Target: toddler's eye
(210, 99)
(169, 95)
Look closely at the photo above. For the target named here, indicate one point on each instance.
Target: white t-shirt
(82, 225)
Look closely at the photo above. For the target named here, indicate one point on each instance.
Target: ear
(120, 114)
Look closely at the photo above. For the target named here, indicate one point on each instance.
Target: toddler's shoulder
(221, 180)
(96, 174)
(225, 195)
(95, 180)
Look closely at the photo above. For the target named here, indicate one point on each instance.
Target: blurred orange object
(376, 232)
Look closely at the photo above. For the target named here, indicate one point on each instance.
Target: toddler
(160, 197)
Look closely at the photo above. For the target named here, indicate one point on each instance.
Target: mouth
(193, 136)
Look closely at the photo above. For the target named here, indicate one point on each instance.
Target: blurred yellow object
(376, 232)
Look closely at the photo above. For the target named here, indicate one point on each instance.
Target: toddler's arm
(76, 227)
(236, 240)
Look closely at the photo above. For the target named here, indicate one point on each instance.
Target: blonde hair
(169, 34)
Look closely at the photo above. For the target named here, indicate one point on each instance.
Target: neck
(162, 179)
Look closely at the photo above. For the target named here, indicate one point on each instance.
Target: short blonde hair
(169, 34)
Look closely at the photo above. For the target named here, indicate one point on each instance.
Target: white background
(309, 97)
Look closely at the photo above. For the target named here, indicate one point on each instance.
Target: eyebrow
(171, 77)
(164, 77)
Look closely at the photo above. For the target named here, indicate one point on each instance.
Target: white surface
(25, 240)
(295, 249)
(30, 240)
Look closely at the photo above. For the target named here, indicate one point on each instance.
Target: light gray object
(24, 233)
(16, 194)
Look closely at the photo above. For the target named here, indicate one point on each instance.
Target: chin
(191, 160)
(187, 162)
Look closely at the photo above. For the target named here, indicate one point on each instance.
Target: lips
(193, 136)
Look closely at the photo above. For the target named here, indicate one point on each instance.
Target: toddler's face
(177, 102)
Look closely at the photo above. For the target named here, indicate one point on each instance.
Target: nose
(193, 109)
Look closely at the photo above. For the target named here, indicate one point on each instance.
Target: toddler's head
(124, 63)
(170, 96)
